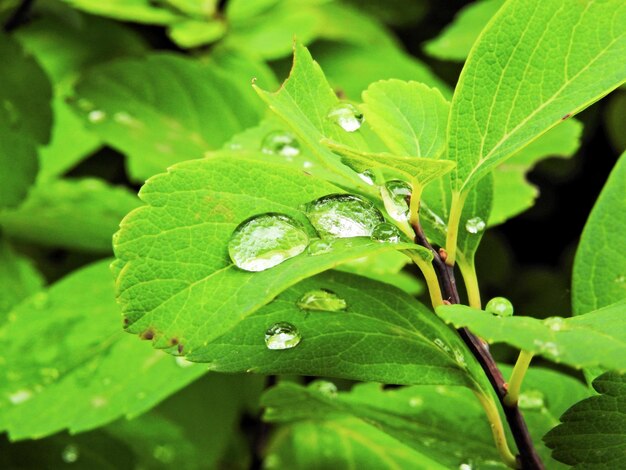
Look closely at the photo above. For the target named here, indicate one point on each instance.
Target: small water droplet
(459, 357)
(281, 143)
(343, 216)
(621, 279)
(85, 105)
(439, 342)
(395, 194)
(415, 402)
(475, 225)
(319, 247)
(531, 400)
(555, 323)
(307, 165)
(124, 118)
(465, 466)
(500, 306)
(96, 116)
(282, 335)
(323, 300)
(325, 387)
(368, 177)
(164, 453)
(547, 347)
(265, 241)
(386, 233)
(49, 374)
(70, 453)
(346, 116)
(98, 401)
(184, 363)
(20, 396)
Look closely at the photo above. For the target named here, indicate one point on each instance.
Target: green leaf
(341, 443)
(175, 275)
(18, 167)
(599, 277)
(559, 58)
(140, 11)
(194, 33)
(595, 339)
(383, 335)
(351, 68)
(513, 194)
(18, 278)
(614, 116)
(164, 109)
(456, 39)
(25, 94)
(592, 434)
(409, 117)
(444, 424)
(81, 370)
(80, 214)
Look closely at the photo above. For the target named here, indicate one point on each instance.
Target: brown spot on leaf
(174, 341)
(565, 117)
(180, 348)
(148, 334)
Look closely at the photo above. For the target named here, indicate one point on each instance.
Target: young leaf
(409, 117)
(591, 434)
(376, 333)
(456, 40)
(164, 109)
(76, 214)
(595, 339)
(599, 277)
(175, 275)
(18, 278)
(18, 167)
(444, 424)
(560, 58)
(81, 371)
(139, 11)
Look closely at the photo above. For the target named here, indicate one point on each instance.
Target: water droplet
(459, 357)
(621, 279)
(439, 342)
(282, 335)
(415, 402)
(20, 396)
(531, 400)
(323, 300)
(98, 401)
(465, 466)
(85, 105)
(475, 225)
(265, 241)
(184, 363)
(343, 216)
(124, 118)
(49, 374)
(500, 306)
(319, 247)
(395, 194)
(164, 453)
(555, 323)
(281, 143)
(325, 387)
(70, 453)
(346, 116)
(96, 116)
(547, 347)
(368, 177)
(386, 232)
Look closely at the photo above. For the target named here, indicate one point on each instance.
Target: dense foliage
(286, 206)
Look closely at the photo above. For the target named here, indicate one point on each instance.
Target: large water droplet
(465, 466)
(325, 387)
(20, 396)
(395, 194)
(323, 300)
(70, 453)
(264, 241)
(343, 216)
(282, 335)
(531, 400)
(555, 323)
(96, 116)
(386, 233)
(475, 225)
(346, 116)
(281, 143)
(500, 306)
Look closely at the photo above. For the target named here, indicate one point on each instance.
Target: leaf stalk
(517, 377)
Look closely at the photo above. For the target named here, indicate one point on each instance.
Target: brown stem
(527, 457)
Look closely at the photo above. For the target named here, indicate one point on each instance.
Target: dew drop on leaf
(547, 347)
(555, 323)
(70, 453)
(416, 402)
(184, 363)
(282, 335)
(322, 300)
(124, 118)
(266, 240)
(621, 279)
(164, 453)
(395, 194)
(368, 177)
(343, 216)
(319, 247)
(20, 396)
(465, 466)
(475, 225)
(281, 143)
(346, 116)
(500, 306)
(325, 387)
(531, 400)
(96, 116)
(386, 233)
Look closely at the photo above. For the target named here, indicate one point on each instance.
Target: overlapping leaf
(18, 278)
